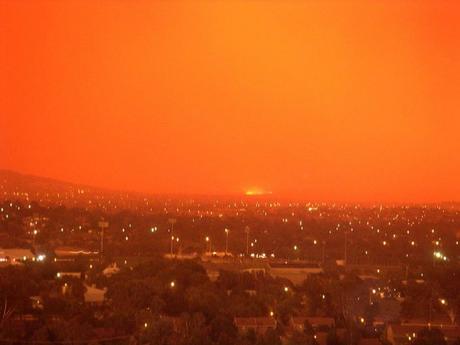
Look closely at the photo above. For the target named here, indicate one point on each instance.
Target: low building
(213, 268)
(296, 272)
(259, 324)
(181, 256)
(71, 274)
(94, 296)
(216, 256)
(15, 256)
(72, 252)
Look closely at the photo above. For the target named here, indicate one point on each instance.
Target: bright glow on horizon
(256, 192)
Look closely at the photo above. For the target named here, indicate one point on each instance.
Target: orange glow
(330, 100)
(256, 191)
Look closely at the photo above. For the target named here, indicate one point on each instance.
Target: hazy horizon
(346, 101)
(237, 194)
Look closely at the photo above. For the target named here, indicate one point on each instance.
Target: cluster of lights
(440, 256)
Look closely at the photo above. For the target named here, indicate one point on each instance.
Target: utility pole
(346, 249)
(172, 221)
(323, 254)
(431, 308)
(103, 224)
(246, 229)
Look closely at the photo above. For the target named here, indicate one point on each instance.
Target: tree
(197, 331)
(308, 329)
(300, 338)
(73, 330)
(332, 337)
(456, 342)
(271, 337)
(223, 330)
(203, 299)
(251, 336)
(429, 336)
(159, 332)
(371, 311)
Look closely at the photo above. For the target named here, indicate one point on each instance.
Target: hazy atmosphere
(327, 100)
(229, 172)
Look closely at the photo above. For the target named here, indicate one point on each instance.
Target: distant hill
(11, 182)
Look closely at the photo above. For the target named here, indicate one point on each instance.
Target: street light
(178, 247)
(171, 245)
(208, 243)
(443, 301)
(438, 255)
(226, 241)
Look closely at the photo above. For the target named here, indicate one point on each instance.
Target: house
(111, 270)
(178, 325)
(103, 333)
(403, 333)
(321, 338)
(259, 324)
(369, 341)
(37, 302)
(317, 323)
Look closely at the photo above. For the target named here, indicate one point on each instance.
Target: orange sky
(330, 100)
